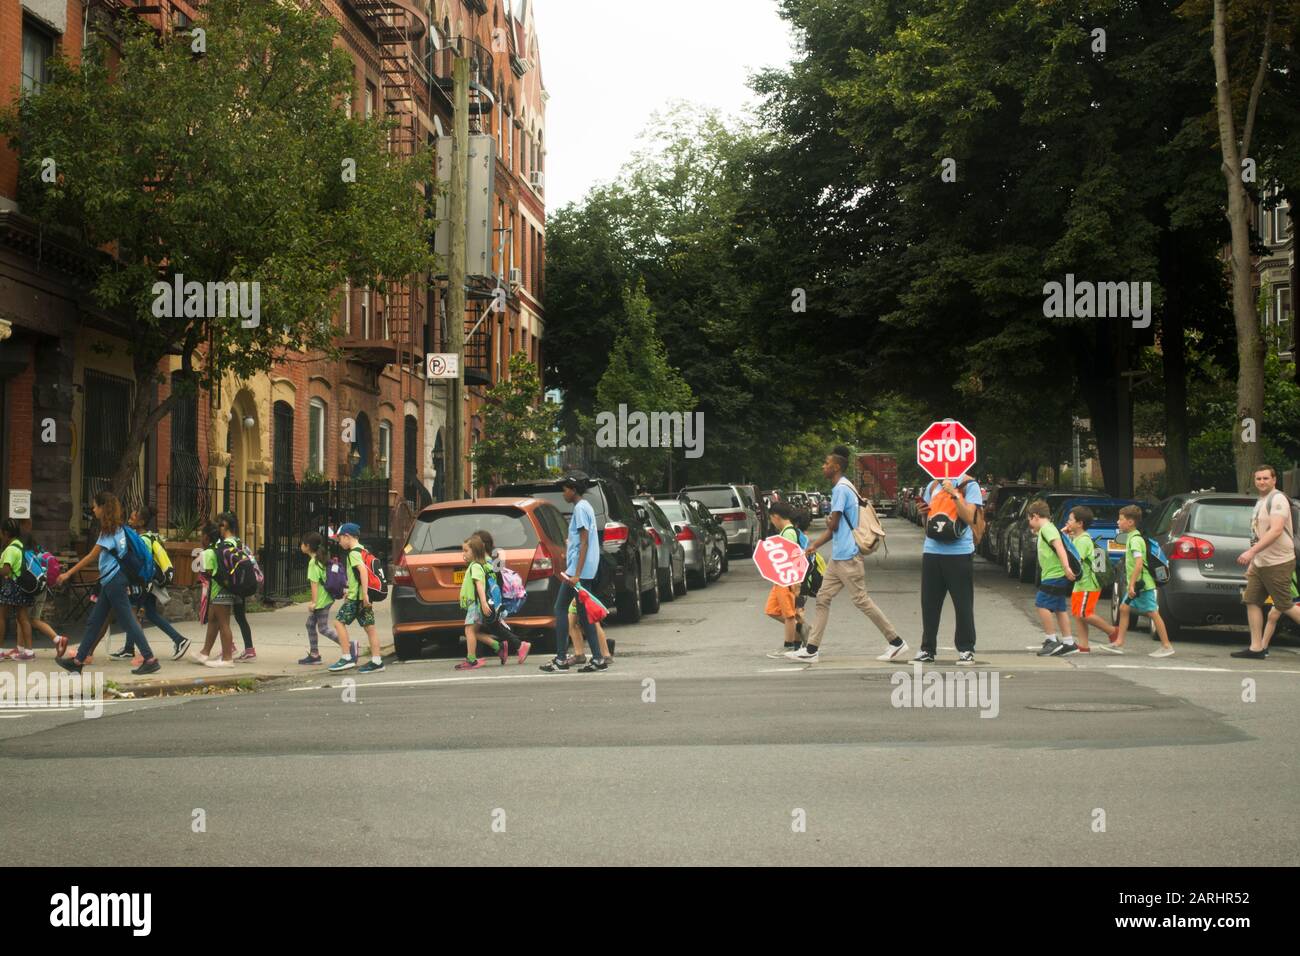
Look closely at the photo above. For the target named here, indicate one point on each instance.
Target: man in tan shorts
(1270, 559)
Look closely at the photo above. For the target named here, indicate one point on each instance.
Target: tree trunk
(1173, 352)
(1250, 344)
(144, 416)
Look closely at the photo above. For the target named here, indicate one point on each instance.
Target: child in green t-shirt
(1055, 583)
(474, 599)
(318, 612)
(1087, 590)
(781, 598)
(1140, 586)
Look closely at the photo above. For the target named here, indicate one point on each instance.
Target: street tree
(518, 427)
(233, 164)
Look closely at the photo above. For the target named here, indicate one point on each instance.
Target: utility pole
(456, 275)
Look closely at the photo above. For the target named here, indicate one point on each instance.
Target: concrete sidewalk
(279, 637)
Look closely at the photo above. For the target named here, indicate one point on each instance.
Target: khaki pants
(852, 575)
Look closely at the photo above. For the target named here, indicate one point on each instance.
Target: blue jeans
(113, 597)
(567, 593)
(151, 614)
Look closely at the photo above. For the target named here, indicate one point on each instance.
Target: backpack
(336, 579)
(1100, 561)
(513, 592)
(1156, 562)
(32, 578)
(53, 569)
(946, 525)
(376, 579)
(1072, 560)
(493, 587)
(869, 534)
(163, 572)
(137, 560)
(237, 569)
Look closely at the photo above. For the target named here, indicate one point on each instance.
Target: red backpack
(376, 582)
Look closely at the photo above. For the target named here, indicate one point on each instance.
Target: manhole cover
(1091, 708)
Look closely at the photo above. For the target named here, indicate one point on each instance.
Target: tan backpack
(869, 534)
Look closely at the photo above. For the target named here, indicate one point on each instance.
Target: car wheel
(1006, 563)
(682, 585)
(629, 602)
(650, 598)
(1114, 602)
(409, 647)
(714, 568)
(666, 591)
(726, 561)
(1026, 570)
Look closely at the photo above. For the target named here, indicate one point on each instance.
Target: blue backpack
(1156, 562)
(32, 578)
(1075, 564)
(137, 561)
(493, 587)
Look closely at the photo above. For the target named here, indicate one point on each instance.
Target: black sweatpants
(941, 575)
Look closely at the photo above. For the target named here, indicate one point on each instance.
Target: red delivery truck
(878, 480)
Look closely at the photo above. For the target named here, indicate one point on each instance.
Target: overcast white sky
(608, 66)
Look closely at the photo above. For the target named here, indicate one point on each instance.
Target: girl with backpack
(322, 598)
(478, 608)
(228, 525)
(51, 566)
(143, 598)
(498, 625)
(219, 604)
(12, 596)
(108, 551)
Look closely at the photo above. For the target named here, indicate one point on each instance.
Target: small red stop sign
(781, 561)
(946, 449)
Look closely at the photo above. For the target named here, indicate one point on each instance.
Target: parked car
(999, 523)
(1020, 552)
(703, 540)
(759, 506)
(994, 498)
(427, 578)
(629, 572)
(1202, 534)
(732, 507)
(672, 556)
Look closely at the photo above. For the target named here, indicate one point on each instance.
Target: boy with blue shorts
(1141, 594)
(1055, 585)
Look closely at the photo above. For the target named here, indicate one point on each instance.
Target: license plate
(458, 577)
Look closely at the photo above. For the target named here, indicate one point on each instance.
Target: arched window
(359, 454)
(282, 443)
(385, 462)
(316, 436)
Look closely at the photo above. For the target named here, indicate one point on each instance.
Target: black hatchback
(629, 561)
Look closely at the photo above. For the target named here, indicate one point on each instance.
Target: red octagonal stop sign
(781, 561)
(946, 449)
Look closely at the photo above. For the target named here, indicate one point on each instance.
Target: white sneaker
(803, 657)
(777, 655)
(891, 651)
(1163, 652)
(218, 662)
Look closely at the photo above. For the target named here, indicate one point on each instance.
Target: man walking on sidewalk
(1270, 560)
(845, 569)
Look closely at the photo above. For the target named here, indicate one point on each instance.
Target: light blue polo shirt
(584, 516)
(965, 543)
(111, 543)
(845, 500)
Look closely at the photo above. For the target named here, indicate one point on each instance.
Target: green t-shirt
(356, 574)
(316, 573)
(1134, 548)
(477, 571)
(1048, 562)
(13, 557)
(209, 560)
(1088, 579)
(791, 533)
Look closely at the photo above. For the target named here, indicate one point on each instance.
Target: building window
(38, 47)
(386, 449)
(180, 20)
(316, 436)
(106, 419)
(1279, 218)
(282, 443)
(1281, 304)
(370, 100)
(365, 313)
(347, 307)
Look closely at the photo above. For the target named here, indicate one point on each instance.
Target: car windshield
(1228, 518)
(674, 510)
(715, 497)
(443, 531)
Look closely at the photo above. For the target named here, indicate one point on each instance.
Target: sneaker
(8, 655)
(524, 648)
(249, 654)
(25, 655)
(925, 657)
(122, 655)
(181, 648)
(1163, 652)
(370, 667)
(593, 665)
(966, 658)
(69, 664)
(555, 666)
(503, 652)
(472, 665)
(344, 664)
(1050, 648)
(311, 659)
(1069, 649)
(891, 651)
(151, 666)
(785, 649)
(803, 657)
(1112, 647)
(218, 662)
(60, 646)
(1083, 650)
(1250, 655)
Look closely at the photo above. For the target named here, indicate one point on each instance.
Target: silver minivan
(735, 510)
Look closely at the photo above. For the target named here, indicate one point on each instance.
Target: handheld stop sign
(946, 450)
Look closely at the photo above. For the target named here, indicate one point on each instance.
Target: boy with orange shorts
(1087, 590)
(781, 600)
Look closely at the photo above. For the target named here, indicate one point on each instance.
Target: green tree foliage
(518, 428)
(232, 164)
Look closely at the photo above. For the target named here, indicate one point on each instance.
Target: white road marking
(782, 670)
(13, 716)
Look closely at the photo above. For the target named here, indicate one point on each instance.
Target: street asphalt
(693, 748)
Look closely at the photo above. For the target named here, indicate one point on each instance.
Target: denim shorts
(1054, 602)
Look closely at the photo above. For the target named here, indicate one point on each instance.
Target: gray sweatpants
(319, 619)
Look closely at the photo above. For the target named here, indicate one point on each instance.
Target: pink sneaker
(248, 655)
(468, 665)
(24, 655)
(503, 651)
(9, 655)
(524, 648)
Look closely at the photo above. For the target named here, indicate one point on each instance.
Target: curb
(171, 687)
